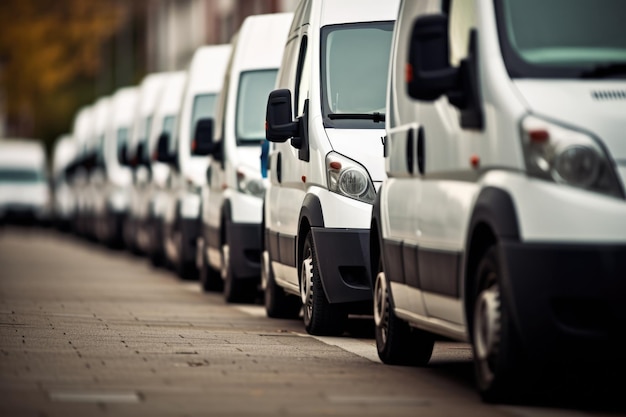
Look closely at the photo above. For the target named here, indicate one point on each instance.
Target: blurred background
(57, 56)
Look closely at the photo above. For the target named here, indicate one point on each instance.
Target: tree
(48, 49)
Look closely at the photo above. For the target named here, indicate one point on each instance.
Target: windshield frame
(373, 122)
(518, 67)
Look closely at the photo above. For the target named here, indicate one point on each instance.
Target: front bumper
(568, 300)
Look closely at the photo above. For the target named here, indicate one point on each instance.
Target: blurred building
(175, 28)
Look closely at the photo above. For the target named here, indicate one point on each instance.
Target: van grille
(609, 95)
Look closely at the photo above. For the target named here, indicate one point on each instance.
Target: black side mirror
(278, 117)
(163, 149)
(203, 138)
(122, 157)
(429, 74)
(140, 154)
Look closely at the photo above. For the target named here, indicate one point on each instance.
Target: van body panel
(453, 192)
(233, 195)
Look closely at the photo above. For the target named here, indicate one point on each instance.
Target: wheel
(498, 358)
(396, 342)
(278, 304)
(210, 279)
(185, 269)
(236, 290)
(320, 317)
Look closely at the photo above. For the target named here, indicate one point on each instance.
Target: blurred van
(95, 193)
(150, 89)
(79, 168)
(326, 119)
(181, 221)
(24, 189)
(229, 250)
(63, 153)
(118, 179)
(163, 123)
(502, 222)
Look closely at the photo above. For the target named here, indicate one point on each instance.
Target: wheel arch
(493, 220)
(311, 215)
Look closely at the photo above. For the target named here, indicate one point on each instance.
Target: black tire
(278, 304)
(498, 358)
(210, 279)
(236, 289)
(320, 317)
(186, 270)
(396, 342)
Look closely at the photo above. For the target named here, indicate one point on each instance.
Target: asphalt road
(87, 331)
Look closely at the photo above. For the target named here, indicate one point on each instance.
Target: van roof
(257, 41)
(22, 152)
(207, 67)
(335, 12)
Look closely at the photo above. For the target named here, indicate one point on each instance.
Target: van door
(449, 186)
(289, 170)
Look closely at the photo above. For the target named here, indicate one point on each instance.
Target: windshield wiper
(376, 116)
(605, 71)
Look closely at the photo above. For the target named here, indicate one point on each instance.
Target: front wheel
(320, 317)
(498, 358)
(210, 279)
(396, 342)
(236, 289)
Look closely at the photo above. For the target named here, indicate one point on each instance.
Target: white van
(326, 120)
(163, 123)
(118, 175)
(503, 221)
(229, 250)
(136, 234)
(24, 190)
(181, 221)
(78, 173)
(96, 200)
(63, 206)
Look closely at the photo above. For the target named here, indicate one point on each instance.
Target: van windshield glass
(355, 60)
(563, 38)
(20, 175)
(254, 88)
(203, 106)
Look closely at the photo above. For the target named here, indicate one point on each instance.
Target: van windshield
(203, 107)
(563, 38)
(254, 87)
(355, 61)
(20, 175)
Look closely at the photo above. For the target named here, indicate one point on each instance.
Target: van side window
(303, 77)
(462, 20)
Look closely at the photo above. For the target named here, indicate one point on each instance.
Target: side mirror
(428, 73)
(140, 155)
(203, 138)
(122, 157)
(279, 125)
(163, 149)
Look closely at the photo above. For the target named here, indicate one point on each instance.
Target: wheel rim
(487, 326)
(306, 288)
(225, 261)
(381, 306)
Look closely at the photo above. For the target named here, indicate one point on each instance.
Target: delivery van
(502, 221)
(230, 245)
(326, 119)
(205, 75)
(163, 123)
(24, 188)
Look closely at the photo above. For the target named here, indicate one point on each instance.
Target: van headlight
(250, 184)
(349, 178)
(567, 156)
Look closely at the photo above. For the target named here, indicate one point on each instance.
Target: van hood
(597, 107)
(249, 158)
(363, 145)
